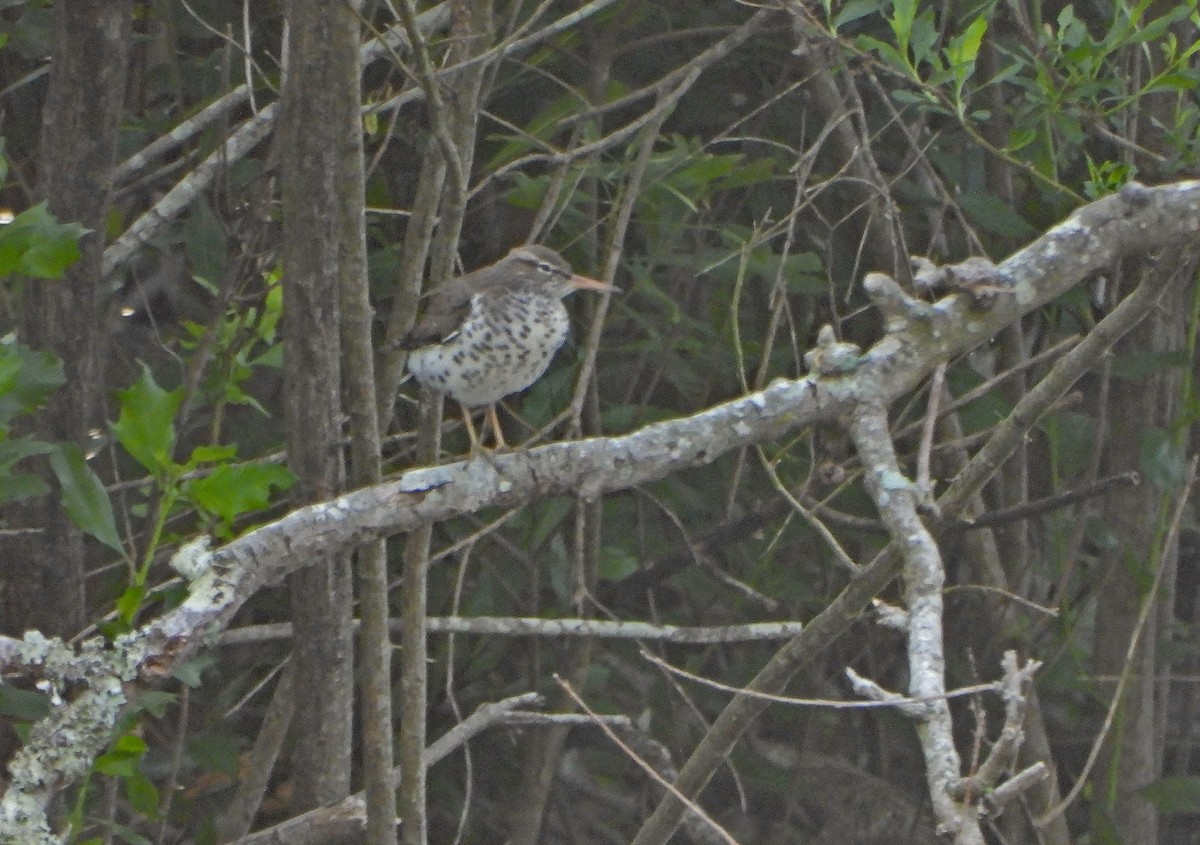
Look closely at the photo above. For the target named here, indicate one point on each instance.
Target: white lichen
(193, 559)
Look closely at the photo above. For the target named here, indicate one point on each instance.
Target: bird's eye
(545, 267)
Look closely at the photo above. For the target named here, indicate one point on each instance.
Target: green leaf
(142, 794)
(748, 173)
(550, 516)
(535, 134)
(995, 215)
(191, 671)
(84, 495)
(922, 42)
(155, 702)
(961, 55)
(131, 744)
(214, 752)
(1174, 82)
(27, 378)
(616, 563)
(904, 12)
(23, 705)
(964, 49)
(1161, 459)
(232, 490)
(130, 602)
(20, 485)
(526, 191)
(884, 51)
(920, 97)
(854, 10)
(36, 244)
(1176, 795)
(146, 425)
(272, 310)
(1156, 29)
(210, 455)
(122, 759)
(117, 765)
(17, 486)
(236, 396)
(1106, 177)
(1021, 137)
(273, 357)
(19, 448)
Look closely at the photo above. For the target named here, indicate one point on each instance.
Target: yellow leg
(476, 446)
(497, 431)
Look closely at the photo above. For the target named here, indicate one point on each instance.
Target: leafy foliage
(26, 379)
(35, 244)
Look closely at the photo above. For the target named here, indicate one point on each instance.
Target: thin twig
(924, 480)
(642, 764)
(1037, 507)
(893, 699)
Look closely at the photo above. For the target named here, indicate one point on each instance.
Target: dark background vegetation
(832, 140)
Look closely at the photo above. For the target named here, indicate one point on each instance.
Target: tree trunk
(312, 144)
(1139, 409)
(43, 585)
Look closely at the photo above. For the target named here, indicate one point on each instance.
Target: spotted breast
(493, 332)
(504, 345)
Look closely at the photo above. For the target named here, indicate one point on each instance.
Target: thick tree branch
(897, 499)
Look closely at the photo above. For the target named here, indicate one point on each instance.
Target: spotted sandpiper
(493, 332)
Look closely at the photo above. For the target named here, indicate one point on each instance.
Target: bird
(493, 332)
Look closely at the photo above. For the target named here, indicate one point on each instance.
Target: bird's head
(540, 268)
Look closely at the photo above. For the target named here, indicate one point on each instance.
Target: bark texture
(43, 587)
(313, 142)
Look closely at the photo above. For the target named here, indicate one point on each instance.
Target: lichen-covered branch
(1138, 219)
(897, 498)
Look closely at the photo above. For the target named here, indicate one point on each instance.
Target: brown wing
(448, 307)
(436, 325)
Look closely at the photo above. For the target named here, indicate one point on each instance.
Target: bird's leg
(497, 431)
(476, 446)
(478, 450)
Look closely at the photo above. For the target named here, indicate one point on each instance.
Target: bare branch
(245, 138)
(1041, 263)
(535, 627)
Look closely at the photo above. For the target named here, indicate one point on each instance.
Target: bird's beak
(584, 283)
